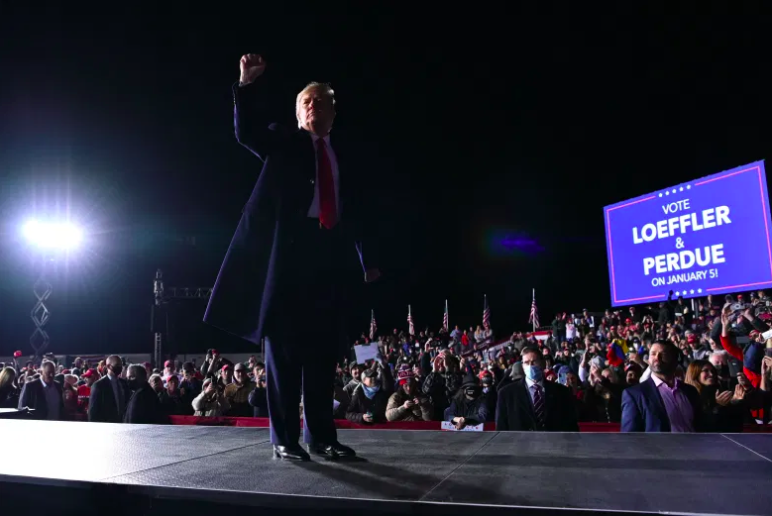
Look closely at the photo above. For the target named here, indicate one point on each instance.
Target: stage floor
(714, 474)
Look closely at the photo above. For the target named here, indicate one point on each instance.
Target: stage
(197, 469)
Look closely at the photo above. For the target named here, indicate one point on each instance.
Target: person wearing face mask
(489, 392)
(109, 395)
(144, 407)
(533, 404)
(369, 402)
(467, 407)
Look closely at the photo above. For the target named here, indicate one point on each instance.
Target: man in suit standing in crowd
(662, 403)
(109, 395)
(532, 403)
(143, 407)
(44, 395)
(288, 273)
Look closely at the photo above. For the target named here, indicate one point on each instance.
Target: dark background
(494, 138)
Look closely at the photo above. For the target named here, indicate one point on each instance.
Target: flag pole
(534, 319)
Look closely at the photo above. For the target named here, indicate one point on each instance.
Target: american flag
(534, 317)
(410, 325)
(373, 326)
(486, 314)
(446, 317)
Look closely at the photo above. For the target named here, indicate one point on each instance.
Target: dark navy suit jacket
(644, 411)
(250, 278)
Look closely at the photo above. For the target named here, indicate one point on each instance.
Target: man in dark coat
(144, 407)
(532, 403)
(109, 395)
(44, 395)
(297, 249)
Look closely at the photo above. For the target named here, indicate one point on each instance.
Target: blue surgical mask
(371, 391)
(533, 372)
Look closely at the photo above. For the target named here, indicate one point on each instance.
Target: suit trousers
(303, 337)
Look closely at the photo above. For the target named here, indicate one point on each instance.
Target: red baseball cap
(168, 363)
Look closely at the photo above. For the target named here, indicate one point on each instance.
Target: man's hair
(530, 349)
(44, 363)
(669, 348)
(325, 88)
(138, 371)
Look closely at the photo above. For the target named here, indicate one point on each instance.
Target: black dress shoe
(333, 451)
(290, 453)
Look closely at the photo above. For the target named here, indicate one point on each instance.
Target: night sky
(482, 130)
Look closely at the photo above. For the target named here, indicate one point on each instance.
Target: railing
(263, 422)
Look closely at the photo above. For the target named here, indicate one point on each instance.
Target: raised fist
(252, 66)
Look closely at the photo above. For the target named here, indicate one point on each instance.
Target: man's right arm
(252, 127)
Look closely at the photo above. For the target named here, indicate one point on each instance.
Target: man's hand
(367, 418)
(748, 314)
(766, 366)
(459, 422)
(408, 404)
(739, 393)
(372, 275)
(252, 66)
(724, 398)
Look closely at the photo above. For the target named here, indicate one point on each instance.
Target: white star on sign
(688, 187)
(667, 193)
(681, 189)
(677, 293)
(699, 291)
(660, 194)
(673, 190)
(691, 291)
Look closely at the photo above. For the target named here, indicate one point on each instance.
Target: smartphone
(767, 335)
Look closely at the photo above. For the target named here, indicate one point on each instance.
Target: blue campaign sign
(707, 236)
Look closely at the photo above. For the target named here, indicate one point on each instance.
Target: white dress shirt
(313, 211)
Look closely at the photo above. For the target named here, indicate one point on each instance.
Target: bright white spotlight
(47, 235)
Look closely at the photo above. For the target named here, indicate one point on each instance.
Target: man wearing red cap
(169, 370)
(84, 391)
(407, 404)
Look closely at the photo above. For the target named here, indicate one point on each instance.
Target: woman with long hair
(9, 391)
(722, 411)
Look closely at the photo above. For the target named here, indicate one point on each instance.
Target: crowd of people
(657, 368)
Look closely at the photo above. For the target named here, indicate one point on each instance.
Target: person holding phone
(408, 403)
(212, 401)
(369, 401)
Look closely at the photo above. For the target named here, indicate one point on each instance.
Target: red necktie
(328, 211)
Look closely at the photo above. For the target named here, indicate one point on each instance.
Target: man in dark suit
(534, 404)
(662, 403)
(143, 407)
(44, 395)
(288, 272)
(109, 395)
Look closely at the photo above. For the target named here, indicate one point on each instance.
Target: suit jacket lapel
(549, 400)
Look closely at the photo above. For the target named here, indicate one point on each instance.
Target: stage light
(52, 235)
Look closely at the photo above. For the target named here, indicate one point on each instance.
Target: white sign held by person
(447, 425)
(367, 352)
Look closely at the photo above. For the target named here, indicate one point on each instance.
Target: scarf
(370, 392)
